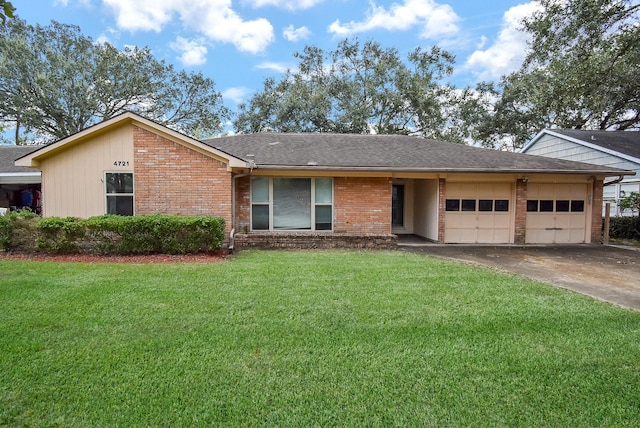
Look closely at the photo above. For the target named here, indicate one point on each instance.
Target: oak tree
(356, 88)
(581, 72)
(54, 82)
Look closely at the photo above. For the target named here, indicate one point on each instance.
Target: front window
(119, 193)
(283, 203)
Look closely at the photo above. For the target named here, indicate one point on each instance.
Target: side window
(260, 203)
(119, 192)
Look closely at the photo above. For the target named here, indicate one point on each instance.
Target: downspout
(616, 181)
(233, 204)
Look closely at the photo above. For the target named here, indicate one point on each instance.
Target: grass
(323, 338)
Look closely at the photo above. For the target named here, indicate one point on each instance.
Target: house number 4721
(120, 163)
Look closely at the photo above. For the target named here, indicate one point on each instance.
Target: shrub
(17, 231)
(146, 234)
(624, 227)
(60, 235)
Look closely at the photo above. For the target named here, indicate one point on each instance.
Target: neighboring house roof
(387, 152)
(8, 156)
(9, 172)
(625, 144)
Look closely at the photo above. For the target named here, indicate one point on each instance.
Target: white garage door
(556, 213)
(479, 213)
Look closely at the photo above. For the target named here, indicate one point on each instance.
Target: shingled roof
(386, 152)
(625, 142)
(8, 155)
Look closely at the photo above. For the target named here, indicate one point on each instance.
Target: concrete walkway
(605, 272)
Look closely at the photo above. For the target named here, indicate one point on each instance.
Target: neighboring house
(322, 189)
(16, 179)
(617, 149)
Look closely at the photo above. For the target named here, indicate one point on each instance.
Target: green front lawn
(318, 338)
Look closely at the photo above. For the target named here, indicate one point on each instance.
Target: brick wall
(243, 204)
(304, 240)
(173, 179)
(596, 212)
(362, 205)
(520, 234)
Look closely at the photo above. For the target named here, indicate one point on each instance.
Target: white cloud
(213, 18)
(508, 51)
(193, 51)
(103, 39)
(287, 4)
(435, 19)
(274, 66)
(142, 15)
(107, 36)
(295, 34)
(237, 95)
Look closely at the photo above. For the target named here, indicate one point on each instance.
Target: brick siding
(362, 205)
(243, 204)
(520, 234)
(170, 178)
(596, 212)
(313, 240)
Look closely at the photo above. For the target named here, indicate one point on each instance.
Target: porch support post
(442, 198)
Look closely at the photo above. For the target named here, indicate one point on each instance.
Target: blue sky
(239, 43)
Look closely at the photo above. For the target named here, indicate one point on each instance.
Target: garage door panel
(577, 221)
(556, 227)
(576, 236)
(479, 226)
(562, 221)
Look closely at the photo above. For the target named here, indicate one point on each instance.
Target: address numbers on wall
(120, 163)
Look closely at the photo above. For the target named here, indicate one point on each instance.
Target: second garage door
(556, 213)
(479, 213)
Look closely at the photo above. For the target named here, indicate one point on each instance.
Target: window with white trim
(289, 203)
(119, 192)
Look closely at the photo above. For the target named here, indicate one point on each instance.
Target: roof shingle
(9, 154)
(385, 152)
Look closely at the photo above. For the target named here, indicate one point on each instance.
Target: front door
(397, 206)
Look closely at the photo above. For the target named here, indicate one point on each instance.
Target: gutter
(616, 181)
(607, 172)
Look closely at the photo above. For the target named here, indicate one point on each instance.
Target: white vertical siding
(74, 179)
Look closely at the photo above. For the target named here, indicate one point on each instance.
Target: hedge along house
(322, 189)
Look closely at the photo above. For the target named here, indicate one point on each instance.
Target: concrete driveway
(609, 273)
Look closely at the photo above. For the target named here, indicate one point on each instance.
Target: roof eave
(605, 172)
